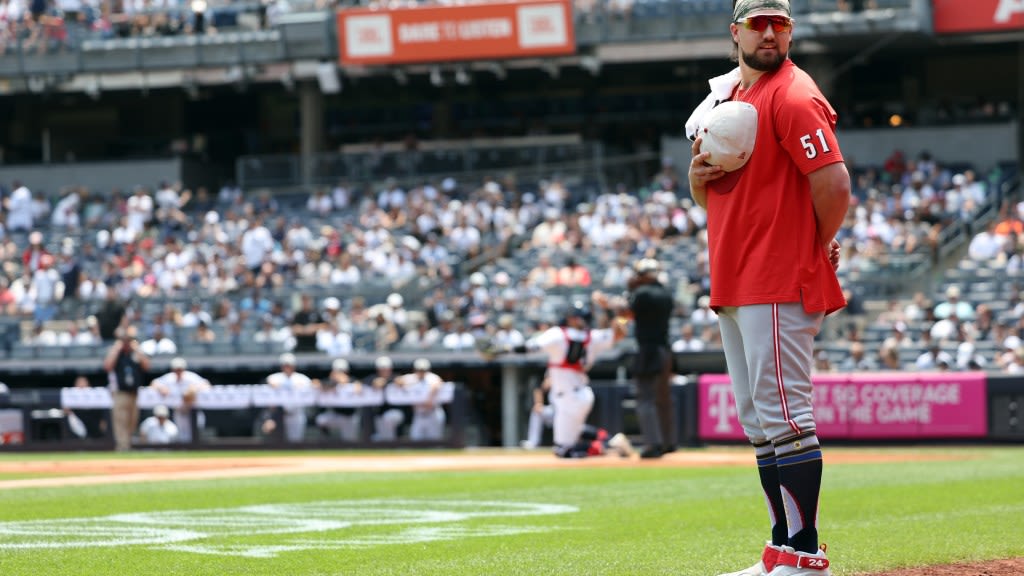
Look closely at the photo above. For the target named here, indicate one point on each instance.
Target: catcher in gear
(571, 349)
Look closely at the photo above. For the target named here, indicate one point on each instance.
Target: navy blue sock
(769, 474)
(799, 462)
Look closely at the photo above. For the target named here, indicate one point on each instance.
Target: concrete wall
(97, 176)
(983, 145)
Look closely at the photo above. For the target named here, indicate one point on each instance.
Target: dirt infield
(1008, 567)
(57, 472)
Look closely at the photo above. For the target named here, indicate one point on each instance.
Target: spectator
(334, 341)
(19, 208)
(507, 336)
(204, 334)
(954, 306)
(918, 309)
(305, 324)
(898, 338)
(186, 384)
(140, 210)
(822, 363)
(968, 358)
(257, 245)
(159, 344)
(8, 299)
(1014, 361)
(573, 275)
(279, 335)
(319, 203)
(158, 428)
(385, 333)
(65, 213)
(703, 315)
(33, 255)
(196, 315)
(544, 274)
(889, 358)
(421, 337)
(46, 290)
(934, 358)
(345, 273)
(858, 360)
(459, 339)
(1009, 225)
(688, 340)
(986, 245)
(396, 310)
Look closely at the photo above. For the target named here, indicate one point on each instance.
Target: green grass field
(574, 521)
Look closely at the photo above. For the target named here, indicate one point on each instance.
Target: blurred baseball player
(181, 380)
(428, 418)
(542, 414)
(388, 418)
(771, 229)
(572, 348)
(288, 378)
(158, 428)
(345, 421)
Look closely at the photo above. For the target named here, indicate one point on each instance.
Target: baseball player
(388, 418)
(542, 414)
(771, 229)
(158, 428)
(180, 380)
(572, 348)
(428, 418)
(345, 421)
(288, 378)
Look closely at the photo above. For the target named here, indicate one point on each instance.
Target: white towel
(721, 89)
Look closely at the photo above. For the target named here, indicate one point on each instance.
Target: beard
(767, 63)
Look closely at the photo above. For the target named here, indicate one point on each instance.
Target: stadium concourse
(435, 267)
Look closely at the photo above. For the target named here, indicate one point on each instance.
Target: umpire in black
(651, 304)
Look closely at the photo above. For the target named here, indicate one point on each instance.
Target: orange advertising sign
(447, 33)
(956, 16)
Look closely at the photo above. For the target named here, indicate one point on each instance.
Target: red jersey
(762, 233)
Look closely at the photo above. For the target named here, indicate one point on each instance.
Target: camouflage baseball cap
(746, 8)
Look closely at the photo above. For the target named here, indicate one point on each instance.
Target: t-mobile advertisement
(868, 406)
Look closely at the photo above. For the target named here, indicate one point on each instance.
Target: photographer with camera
(126, 365)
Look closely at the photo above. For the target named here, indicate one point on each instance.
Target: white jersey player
(428, 418)
(571, 349)
(346, 422)
(181, 381)
(289, 379)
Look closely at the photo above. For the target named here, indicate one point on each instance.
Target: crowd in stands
(43, 25)
(441, 265)
(52, 24)
(972, 319)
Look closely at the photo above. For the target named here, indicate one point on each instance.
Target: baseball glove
(488, 348)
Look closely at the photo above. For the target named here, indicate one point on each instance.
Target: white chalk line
(417, 521)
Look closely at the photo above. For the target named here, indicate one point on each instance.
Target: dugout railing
(874, 407)
(38, 419)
